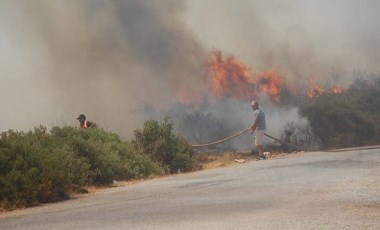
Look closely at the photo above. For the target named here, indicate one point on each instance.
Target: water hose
(223, 140)
(240, 133)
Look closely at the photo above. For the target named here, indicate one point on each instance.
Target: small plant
(170, 151)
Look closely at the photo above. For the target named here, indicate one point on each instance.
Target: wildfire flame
(315, 90)
(271, 83)
(336, 90)
(230, 78)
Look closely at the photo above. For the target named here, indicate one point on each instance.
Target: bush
(170, 151)
(349, 119)
(109, 157)
(41, 166)
(35, 168)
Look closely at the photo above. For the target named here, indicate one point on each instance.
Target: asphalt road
(334, 190)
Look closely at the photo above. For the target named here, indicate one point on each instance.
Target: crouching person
(84, 123)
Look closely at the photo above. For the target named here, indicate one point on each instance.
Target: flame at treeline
(230, 78)
(316, 90)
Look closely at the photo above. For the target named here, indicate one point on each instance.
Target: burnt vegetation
(299, 135)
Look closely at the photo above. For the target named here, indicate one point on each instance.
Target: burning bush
(230, 78)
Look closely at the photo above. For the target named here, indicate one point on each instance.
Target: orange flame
(315, 90)
(271, 83)
(336, 90)
(230, 78)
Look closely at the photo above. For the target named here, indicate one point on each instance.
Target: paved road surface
(339, 190)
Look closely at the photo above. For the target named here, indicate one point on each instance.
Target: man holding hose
(258, 128)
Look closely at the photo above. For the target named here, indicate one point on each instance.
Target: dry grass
(216, 160)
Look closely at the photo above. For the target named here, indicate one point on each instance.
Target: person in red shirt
(84, 123)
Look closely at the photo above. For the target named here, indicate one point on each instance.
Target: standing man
(84, 123)
(259, 128)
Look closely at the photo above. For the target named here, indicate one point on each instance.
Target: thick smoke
(106, 59)
(214, 120)
(121, 62)
(299, 38)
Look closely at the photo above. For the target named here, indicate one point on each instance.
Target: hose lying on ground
(243, 131)
(289, 144)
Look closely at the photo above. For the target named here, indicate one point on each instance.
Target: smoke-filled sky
(106, 59)
(299, 37)
(111, 59)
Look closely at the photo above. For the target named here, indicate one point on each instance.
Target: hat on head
(81, 116)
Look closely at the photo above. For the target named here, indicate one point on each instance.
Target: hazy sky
(110, 59)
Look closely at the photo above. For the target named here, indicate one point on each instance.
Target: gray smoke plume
(101, 58)
(215, 120)
(300, 38)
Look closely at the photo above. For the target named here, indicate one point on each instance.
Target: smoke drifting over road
(120, 62)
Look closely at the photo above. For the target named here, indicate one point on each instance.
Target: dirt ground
(216, 160)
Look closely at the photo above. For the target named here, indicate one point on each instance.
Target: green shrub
(170, 151)
(35, 168)
(109, 157)
(41, 166)
(349, 119)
